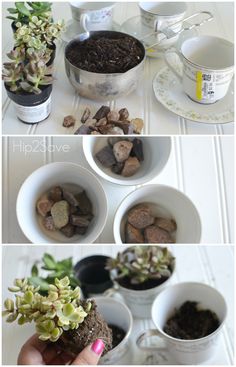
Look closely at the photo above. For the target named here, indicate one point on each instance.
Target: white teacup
(208, 67)
(159, 15)
(92, 16)
(118, 314)
(186, 351)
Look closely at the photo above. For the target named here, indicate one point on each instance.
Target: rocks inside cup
(65, 208)
(144, 226)
(123, 156)
(191, 322)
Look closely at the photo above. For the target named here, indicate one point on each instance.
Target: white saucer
(134, 27)
(73, 29)
(169, 92)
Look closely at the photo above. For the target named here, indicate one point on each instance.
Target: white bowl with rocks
(157, 214)
(61, 203)
(127, 160)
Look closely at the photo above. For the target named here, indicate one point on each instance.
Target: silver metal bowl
(103, 87)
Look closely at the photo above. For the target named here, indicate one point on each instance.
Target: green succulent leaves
(141, 263)
(60, 310)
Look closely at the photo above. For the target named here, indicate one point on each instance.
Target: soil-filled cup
(93, 276)
(117, 314)
(207, 67)
(40, 182)
(183, 351)
(92, 16)
(165, 202)
(156, 152)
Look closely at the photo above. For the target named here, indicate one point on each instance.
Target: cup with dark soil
(189, 318)
(94, 278)
(120, 321)
(104, 65)
(139, 274)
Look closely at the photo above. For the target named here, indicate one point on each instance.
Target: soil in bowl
(190, 322)
(118, 335)
(148, 284)
(104, 54)
(65, 211)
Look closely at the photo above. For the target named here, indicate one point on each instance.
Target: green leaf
(38, 281)
(68, 309)
(9, 304)
(34, 271)
(12, 10)
(22, 9)
(49, 262)
(12, 18)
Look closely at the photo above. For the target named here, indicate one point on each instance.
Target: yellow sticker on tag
(199, 85)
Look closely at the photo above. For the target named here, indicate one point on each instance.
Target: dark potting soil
(105, 55)
(94, 327)
(190, 323)
(118, 335)
(151, 283)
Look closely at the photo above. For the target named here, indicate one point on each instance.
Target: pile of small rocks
(106, 122)
(63, 211)
(143, 227)
(122, 156)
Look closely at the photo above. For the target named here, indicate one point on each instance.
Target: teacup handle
(171, 66)
(113, 293)
(147, 334)
(83, 21)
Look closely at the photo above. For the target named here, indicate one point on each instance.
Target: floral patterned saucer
(169, 92)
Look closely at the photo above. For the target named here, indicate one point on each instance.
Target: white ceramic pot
(118, 314)
(159, 15)
(92, 16)
(156, 154)
(189, 352)
(207, 67)
(165, 201)
(55, 174)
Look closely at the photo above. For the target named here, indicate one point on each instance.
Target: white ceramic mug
(185, 351)
(92, 16)
(207, 67)
(159, 15)
(118, 314)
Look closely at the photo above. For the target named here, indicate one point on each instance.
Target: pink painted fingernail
(98, 347)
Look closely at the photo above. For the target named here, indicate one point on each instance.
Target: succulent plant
(55, 269)
(61, 310)
(141, 263)
(27, 71)
(23, 12)
(38, 33)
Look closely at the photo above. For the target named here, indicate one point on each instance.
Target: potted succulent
(60, 317)
(28, 82)
(139, 274)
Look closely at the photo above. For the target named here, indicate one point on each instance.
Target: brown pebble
(133, 235)
(125, 126)
(106, 156)
(70, 198)
(102, 112)
(115, 131)
(101, 122)
(55, 194)
(68, 230)
(81, 230)
(60, 213)
(124, 114)
(48, 223)
(113, 115)
(86, 115)
(117, 168)
(131, 166)
(85, 205)
(168, 225)
(153, 234)
(138, 125)
(90, 122)
(80, 221)
(140, 216)
(137, 150)
(83, 130)
(122, 150)
(69, 121)
(105, 129)
(44, 205)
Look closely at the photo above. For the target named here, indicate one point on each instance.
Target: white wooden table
(208, 264)
(140, 103)
(201, 167)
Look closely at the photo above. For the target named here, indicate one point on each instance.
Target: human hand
(37, 352)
